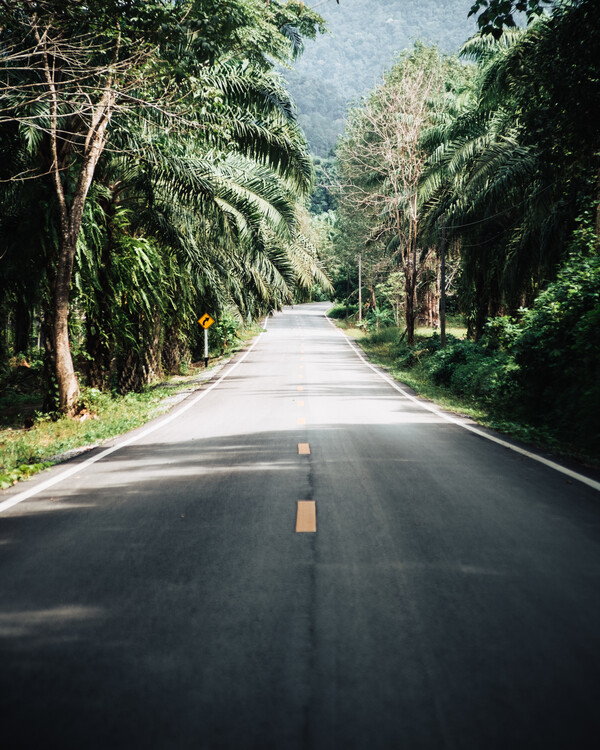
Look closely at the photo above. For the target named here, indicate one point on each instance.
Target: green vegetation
(161, 173)
(488, 165)
(503, 380)
(338, 68)
(146, 178)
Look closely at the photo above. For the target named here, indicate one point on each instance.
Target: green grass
(381, 346)
(382, 349)
(24, 452)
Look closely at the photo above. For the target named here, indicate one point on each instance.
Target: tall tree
(381, 160)
(71, 69)
(512, 166)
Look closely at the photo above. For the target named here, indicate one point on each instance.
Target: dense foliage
(508, 195)
(152, 169)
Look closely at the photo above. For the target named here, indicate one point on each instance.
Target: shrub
(384, 336)
(223, 332)
(558, 353)
(442, 363)
(338, 311)
(501, 332)
(378, 318)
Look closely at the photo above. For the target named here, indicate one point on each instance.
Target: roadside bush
(467, 368)
(223, 332)
(558, 352)
(501, 333)
(338, 311)
(442, 364)
(384, 336)
(379, 318)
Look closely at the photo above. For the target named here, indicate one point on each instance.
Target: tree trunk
(410, 292)
(481, 306)
(50, 400)
(409, 312)
(68, 388)
(70, 209)
(442, 285)
(151, 367)
(4, 337)
(129, 375)
(174, 350)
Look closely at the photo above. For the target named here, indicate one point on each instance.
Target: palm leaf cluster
(195, 202)
(514, 157)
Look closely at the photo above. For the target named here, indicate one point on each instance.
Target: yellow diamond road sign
(205, 321)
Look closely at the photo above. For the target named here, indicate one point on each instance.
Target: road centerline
(306, 516)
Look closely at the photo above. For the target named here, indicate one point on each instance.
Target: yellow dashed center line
(300, 403)
(304, 449)
(301, 420)
(306, 516)
(300, 387)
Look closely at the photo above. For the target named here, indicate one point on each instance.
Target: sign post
(205, 321)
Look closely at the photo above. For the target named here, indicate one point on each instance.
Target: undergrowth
(481, 380)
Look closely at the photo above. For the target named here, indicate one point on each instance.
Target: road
(162, 597)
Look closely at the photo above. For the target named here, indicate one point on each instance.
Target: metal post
(205, 348)
(347, 291)
(443, 285)
(359, 288)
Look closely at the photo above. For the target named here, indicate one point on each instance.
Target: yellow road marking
(300, 387)
(306, 516)
(304, 449)
(300, 403)
(299, 377)
(301, 420)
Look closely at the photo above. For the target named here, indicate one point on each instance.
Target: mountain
(365, 37)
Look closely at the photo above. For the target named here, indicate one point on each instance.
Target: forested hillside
(364, 38)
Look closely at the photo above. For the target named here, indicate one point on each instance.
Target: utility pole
(359, 288)
(443, 285)
(347, 290)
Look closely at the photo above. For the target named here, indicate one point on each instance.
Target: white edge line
(540, 459)
(158, 423)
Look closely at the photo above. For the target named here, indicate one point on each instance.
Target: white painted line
(11, 502)
(540, 459)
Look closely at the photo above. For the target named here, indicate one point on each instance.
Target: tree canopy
(164, 151)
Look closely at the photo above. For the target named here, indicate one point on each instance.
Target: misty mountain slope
(365, 37)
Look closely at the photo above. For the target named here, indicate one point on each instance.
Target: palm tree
(493, 183)
(228, 218)
(226, 107)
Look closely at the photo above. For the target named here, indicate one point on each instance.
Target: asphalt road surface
(162, 597)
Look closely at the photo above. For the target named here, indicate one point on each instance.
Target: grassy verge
(382, 349)
(26, 451)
